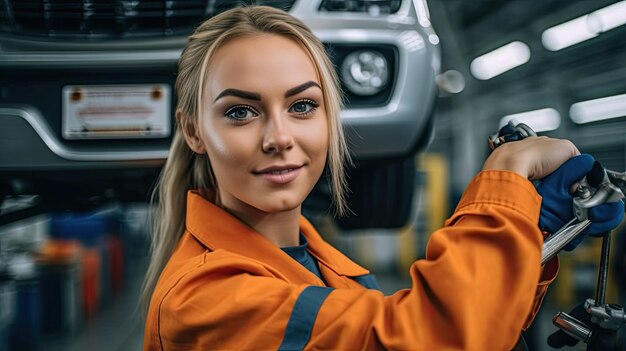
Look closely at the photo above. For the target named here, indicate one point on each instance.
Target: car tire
(380, 194)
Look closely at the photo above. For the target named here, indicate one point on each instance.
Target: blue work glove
(557, 202)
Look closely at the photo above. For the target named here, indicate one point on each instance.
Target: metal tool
(588, 196)
(599, 187)
(617, 178)
(572, 326)
(605, 319)
(510, 132)
(557, 241)
(607, 186)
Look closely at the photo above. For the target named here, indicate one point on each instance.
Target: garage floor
(117, 327)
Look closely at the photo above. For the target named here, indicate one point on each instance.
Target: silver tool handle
(572, 326)
(557, 241)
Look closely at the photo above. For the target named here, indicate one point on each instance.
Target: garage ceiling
(482, 26)
(592, 69)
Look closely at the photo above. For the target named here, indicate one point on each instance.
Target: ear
(190, 132)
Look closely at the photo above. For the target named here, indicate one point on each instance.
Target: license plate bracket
(116, 111)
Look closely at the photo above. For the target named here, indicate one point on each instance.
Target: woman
(235, 266)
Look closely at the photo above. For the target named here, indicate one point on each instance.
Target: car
(87, 101)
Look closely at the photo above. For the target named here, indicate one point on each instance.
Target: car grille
(101, 19)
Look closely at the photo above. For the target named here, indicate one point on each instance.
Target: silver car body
(27, 140)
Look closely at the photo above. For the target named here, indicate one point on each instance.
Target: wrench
(598, 187)
(588, 196)
(608, 186)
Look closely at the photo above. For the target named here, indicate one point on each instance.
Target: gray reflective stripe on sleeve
(368, 280)
(303, 316)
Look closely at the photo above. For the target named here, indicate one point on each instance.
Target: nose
(277, 136)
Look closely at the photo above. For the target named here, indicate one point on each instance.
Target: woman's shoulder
(201, 287)
(191, 259)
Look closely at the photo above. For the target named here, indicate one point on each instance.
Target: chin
(280, 205)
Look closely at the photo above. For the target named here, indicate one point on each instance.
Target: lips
(282, 171)
(279, 174)
(278, 169)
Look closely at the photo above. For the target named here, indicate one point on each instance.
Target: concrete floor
(117, 327)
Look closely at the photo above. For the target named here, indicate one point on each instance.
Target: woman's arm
(474, 290)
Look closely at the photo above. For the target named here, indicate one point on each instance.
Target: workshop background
(72, 257)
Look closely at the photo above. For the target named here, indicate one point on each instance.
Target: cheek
(315, 141)
(216, 141)
(227, 149)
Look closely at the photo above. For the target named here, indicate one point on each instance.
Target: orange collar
(217, 229)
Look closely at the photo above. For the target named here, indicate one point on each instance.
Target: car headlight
(365, 72)
(373, 7)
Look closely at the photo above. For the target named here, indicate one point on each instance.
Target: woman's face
(263, 124)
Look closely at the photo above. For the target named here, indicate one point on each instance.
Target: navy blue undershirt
(302, 256)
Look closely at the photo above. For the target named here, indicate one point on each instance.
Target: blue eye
(240, 113)
(303, 107)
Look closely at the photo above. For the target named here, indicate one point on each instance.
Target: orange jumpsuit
(226, 287)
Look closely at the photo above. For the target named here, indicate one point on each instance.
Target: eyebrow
(300, 88)
(254, 96)
(240, 93)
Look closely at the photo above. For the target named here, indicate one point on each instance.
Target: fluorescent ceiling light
(609, 17)
(598, 109)
(567, 34)
(584, 27)
(500, 60)
(542, 120)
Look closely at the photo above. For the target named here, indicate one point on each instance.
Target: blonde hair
(184, 169)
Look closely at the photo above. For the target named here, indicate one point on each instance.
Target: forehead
(260, 63)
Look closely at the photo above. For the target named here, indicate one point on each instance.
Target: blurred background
(86, 117)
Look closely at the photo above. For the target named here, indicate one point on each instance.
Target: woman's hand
(557, 201)
(533, 157)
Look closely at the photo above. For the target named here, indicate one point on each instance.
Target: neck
(281, 228)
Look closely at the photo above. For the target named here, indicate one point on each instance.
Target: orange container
(91, 282)
(60, 273)
(116, 261)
